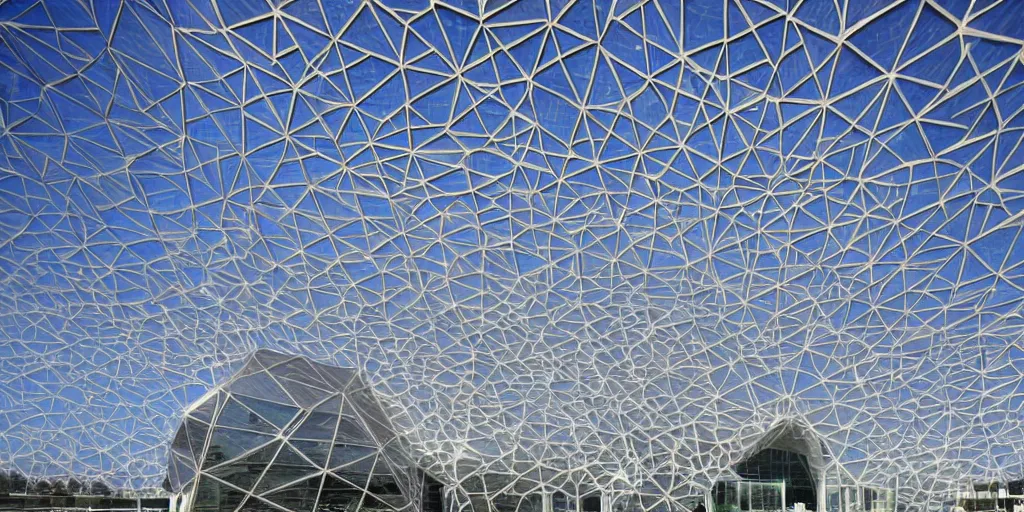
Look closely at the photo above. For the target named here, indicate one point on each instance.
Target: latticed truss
(613, 242)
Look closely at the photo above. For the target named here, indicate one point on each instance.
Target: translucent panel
(317, 426)
(372, 502)
(387, 497)
(340, 494)
(212, 495)
(277, 414)
(197, 436)
(228, 443)
(303, 395)
(235, 415)
(299, 497)
(351, 430)
(383, 483)
(263, 386)
(246, 472)
(180, 444)
(206, 410)
(288, 467)
(181, 471)
(365, 406)
(346, 454)
(317, 452)
(300, 370)
(256, 504)
(357, 472)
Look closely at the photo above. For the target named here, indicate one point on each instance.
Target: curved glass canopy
(588, 244)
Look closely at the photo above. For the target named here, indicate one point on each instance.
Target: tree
(75, 486)
(18, 482)
(42, 487)
(59, 488)
(98, 488)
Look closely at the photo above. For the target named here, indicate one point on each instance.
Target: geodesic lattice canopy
(586, 241)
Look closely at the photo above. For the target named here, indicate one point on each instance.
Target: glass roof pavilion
(618, 250)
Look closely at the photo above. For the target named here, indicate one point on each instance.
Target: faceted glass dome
(290, 434)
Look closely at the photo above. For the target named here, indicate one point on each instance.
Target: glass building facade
(288, 433)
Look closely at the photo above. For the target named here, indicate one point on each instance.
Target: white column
(895, 493)
(783, 494)
(821, 492)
